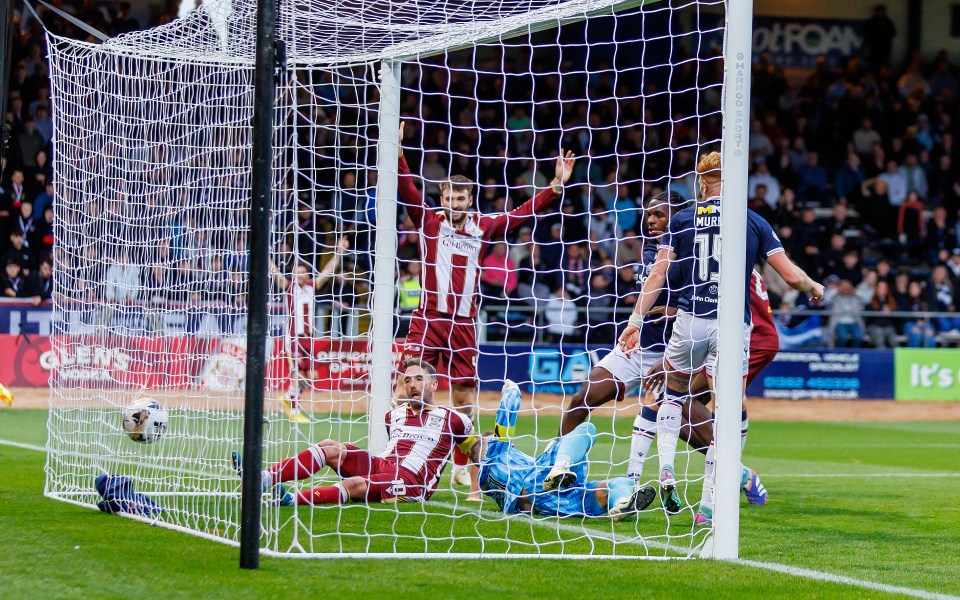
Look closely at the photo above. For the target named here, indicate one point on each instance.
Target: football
(145, 421)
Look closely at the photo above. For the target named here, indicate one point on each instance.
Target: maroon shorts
(301, 352)
(759, 359)
(386, 480)
(447, 344)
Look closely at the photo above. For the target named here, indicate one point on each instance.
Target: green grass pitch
(878, 502)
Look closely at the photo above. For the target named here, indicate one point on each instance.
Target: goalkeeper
(554, 483)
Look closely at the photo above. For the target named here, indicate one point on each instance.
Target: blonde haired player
(301, 302)
(691, 244)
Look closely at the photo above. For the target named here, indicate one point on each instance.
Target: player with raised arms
(555, 483)
(691, 244)
(422, 436)
(443, 328)
(300, 291)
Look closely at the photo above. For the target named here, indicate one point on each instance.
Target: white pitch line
(830, 577)
(625, 539)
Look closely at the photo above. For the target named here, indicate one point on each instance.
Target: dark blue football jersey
(656, 330)
(693, 235)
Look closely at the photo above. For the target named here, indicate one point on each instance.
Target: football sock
(460, 458)
(706, 498)
(617, 489)
(743, 430)
(668, 431)
(572, 448)
(332, 494)
(300, 466)
(644, 430)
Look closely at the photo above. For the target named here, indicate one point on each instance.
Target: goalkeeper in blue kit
(554, 483)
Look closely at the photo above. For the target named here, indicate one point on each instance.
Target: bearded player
(555, 483)
(443, 328)
(691, 244)
(421, 438)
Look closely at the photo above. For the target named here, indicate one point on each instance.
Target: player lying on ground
(691, 244)
(300, 292)
(554, 483)
(443, 328)
(422, 437)
(618, 374)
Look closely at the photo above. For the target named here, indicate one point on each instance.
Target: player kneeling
(554, 483)
(422, 438)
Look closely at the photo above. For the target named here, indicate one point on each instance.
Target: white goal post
(152, 167)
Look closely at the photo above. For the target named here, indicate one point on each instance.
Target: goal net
(153, 172)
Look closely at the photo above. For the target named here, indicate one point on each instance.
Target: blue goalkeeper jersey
(507, 474)
(693, 235)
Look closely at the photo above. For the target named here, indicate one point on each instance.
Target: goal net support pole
(384, 275)
(259, 291)
(733, 231)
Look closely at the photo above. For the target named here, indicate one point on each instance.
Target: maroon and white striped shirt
(422, 442)
(450, 277)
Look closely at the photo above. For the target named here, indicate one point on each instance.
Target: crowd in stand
(855, 167)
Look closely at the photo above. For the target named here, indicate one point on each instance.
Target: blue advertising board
(831, 374)
(813, 373)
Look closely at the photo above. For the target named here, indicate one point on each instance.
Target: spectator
(44, 123)
(763, 177)
(941, 181)
(498, 274)
(841, 222)
(912, 84)
(18, 252)
(882, 329)
(850, 268)
(760, 145)
(896, 182)
(953, 265)
(123, 280)
(866, 289)
(866, 137)
(23, 222)
(809, 232)
(941, 235)
(629, 250)
(845, 317)
(911, 228)
(11, 284)
(849, 178)
(29, 143)
(876, 208)
(601, 328)
(560, 315)
(943, 83)
(919, 331)
(624, 210)
(915, 176)
(575, 271)
(125, 22)
(941, 299)
(520, 249)
(878, 34)
(40, 283)
(45, 199)
(813, 178)
(758, 203)
(42, 242)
